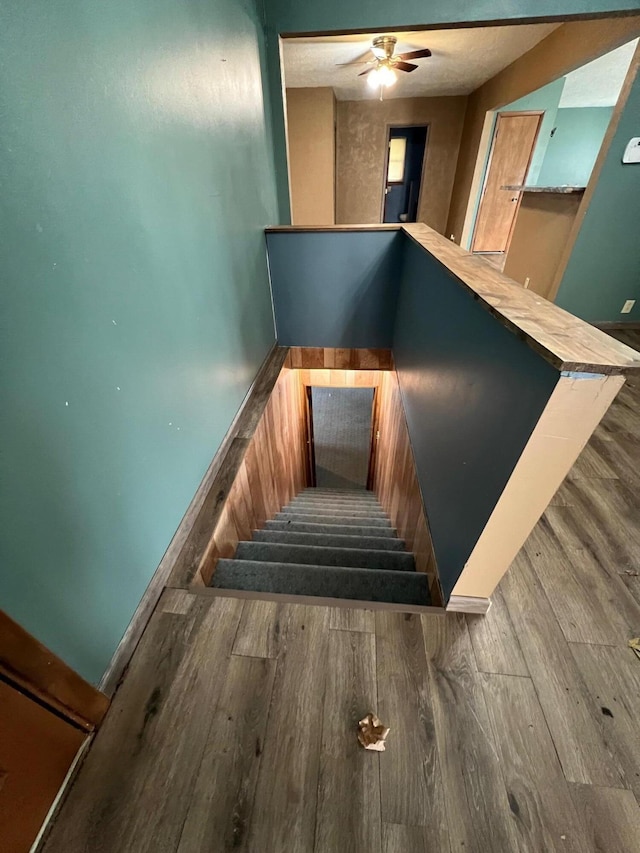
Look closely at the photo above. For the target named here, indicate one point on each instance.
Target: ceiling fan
(385, 62)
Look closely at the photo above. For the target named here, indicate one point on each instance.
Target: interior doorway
(341, 433)
(514, 140)
(403, 173)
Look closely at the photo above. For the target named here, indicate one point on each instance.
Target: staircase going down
(329, 543)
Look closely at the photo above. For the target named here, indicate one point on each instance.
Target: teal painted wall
(293, 16)
(572, 151)
(137, 176)
(604, 268)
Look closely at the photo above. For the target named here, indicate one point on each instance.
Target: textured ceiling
(598, 83)
(462, 60)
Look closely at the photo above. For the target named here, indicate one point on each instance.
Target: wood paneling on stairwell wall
(270, 474)
(341, 359)
(395, 482)
(340, 378)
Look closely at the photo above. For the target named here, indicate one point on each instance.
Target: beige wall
(311, 143)
(544, 220)
(362, 138)
(565, 49)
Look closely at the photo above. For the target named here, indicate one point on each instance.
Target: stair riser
(342, 520)
(338, 529)
(376, 543)
(334, 510)
(323, 581)
(328, 496)
(367, 497)
(358, 558)
(348, 493)
(361, 506)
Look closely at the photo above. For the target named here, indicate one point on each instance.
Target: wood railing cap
(566, 341)
(384, 226)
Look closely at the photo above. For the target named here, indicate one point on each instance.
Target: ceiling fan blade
(415, 54)
(405, 66)
(366, 71)
(367, 56)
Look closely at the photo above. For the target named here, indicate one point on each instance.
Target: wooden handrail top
(566, 341)
(380, 226)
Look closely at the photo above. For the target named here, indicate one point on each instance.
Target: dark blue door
(404, 173)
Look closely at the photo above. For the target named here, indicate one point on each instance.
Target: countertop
(562, 189)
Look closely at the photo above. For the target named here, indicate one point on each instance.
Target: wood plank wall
(395, 482)
(270, 474)
(331, 378)
(341, 359)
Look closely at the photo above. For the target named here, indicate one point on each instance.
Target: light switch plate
(632, 151)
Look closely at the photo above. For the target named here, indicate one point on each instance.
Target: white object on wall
(632, 151)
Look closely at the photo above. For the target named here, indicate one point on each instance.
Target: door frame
(310, 455)
(398, 126)
(485, 178)
(375, 435)
(34, 670)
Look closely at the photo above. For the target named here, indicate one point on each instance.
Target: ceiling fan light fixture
(387, 76)
(382, 76)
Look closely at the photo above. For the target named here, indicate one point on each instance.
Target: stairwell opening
(341, 444)
(323, 503)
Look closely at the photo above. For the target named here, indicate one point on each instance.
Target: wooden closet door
(513, 143)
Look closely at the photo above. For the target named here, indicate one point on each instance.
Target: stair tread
(317, 527)
(316, 555)
(330, 539)
(392, 586)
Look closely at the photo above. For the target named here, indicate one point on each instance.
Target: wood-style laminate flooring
(234, 728)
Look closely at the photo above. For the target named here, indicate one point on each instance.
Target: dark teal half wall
(472, 393)
(604, 267)
(472, 390)
(296, 17)
(136, 177)
(335, 289)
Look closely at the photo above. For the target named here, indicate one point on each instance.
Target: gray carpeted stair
(374, 543)
(344, 529)
(331, 543)
(336, 518)
(331, 507)
(325, 555)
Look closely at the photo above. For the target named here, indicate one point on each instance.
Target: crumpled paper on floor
(372, 733)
